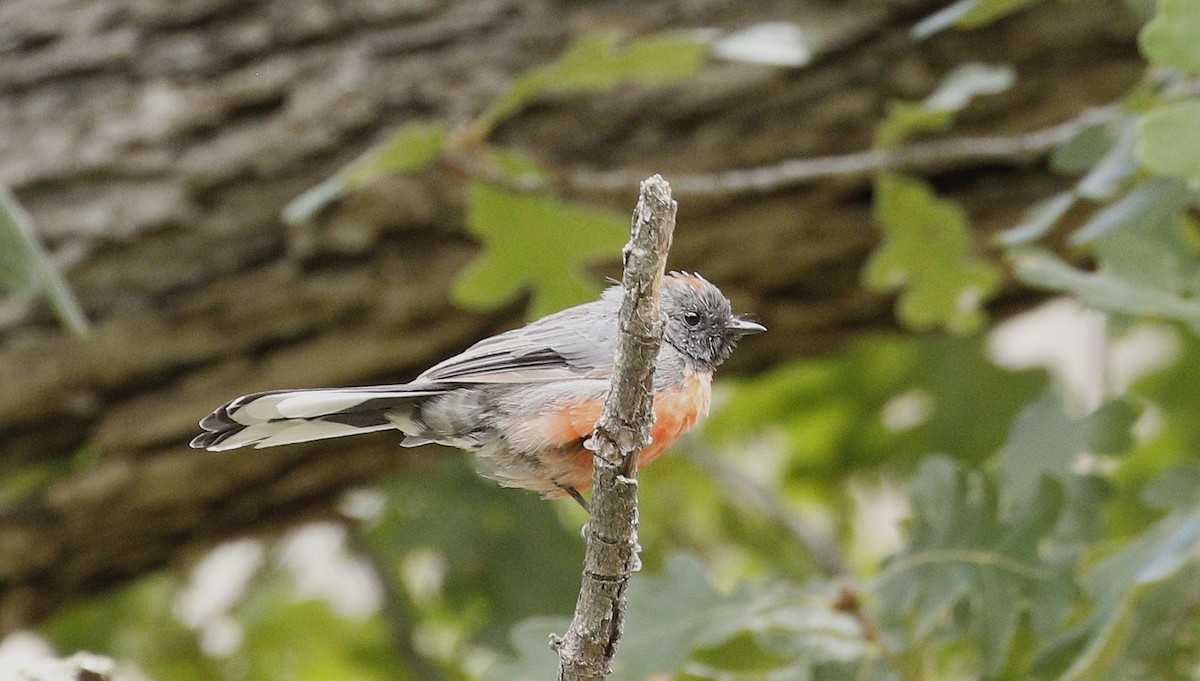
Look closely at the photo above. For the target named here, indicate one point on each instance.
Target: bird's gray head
(699, 320)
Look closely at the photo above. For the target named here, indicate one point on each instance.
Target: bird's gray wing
(574, 343)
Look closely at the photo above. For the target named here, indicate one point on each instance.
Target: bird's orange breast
(555, 438)
(676, 409)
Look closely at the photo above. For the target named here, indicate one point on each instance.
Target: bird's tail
(282, 417)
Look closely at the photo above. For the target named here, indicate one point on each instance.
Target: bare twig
(823, 549)
(742, 489)
(934, 155)
(587, 649)
(850, 601)
(397, 610)
(30, 268)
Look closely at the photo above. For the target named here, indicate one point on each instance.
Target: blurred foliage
(26, 268)
(498, 542)
(938, 111)
(995, 524)
(530, 239)
(826, 416)
(969, 570)
(410, 148)
(598, 64)
(1172, 37)
(1169, 139)
(967, 14)
(925, 252)
(136, 622)
(533, 242)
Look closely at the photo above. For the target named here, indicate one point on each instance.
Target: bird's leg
(577, 497)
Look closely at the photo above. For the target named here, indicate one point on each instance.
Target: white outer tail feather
(290, 417)
(306, 404)
(291, 432)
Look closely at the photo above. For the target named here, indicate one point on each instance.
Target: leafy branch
(927, 156)
(509, 200)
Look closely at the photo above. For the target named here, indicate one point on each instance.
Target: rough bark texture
(155, 142)
(587, 649)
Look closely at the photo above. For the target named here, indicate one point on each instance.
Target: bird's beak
(744, 327)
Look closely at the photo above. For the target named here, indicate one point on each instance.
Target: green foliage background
(1042, 536)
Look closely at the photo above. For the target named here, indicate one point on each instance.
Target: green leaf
(1083, 518)
(904, 119)
(1038, 220)
(1140, 594)
(490, 543)
(743, 653)
(533, 241)
(514, 164)
(987, 11)
(18, 258)
(532, 658)
(667, 613)
(787, 629)
(1160, 473)
(1144, 212)
(665, 617)
(1114, 169)
(966, 14)
(926, 252)
(287, 639)
(826, 414)
(598, 64)
(1168, 140)
(938, 111)
(1103, 290)
(26, 268)
(412, 147)
(1106, 649)
(1046, 441)
(1169, 557)
(967, 574)
(1109, 429)
(1172, 38)
(1144, 239)
(1083, 150)
(1177, 486)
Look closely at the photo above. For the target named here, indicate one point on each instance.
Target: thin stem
(823, 549)
(397, 609)
(937, 154)
(849, 601)
(742, 489)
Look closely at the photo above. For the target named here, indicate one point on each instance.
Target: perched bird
(523, 401)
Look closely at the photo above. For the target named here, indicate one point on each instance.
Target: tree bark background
(155, 143)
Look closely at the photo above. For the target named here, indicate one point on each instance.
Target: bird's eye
(691, 318)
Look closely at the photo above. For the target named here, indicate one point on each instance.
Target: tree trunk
(156, 142)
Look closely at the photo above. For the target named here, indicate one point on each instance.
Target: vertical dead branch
(587, 649)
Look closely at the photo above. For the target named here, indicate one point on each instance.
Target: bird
(524, 401)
